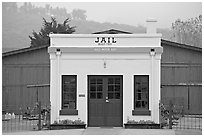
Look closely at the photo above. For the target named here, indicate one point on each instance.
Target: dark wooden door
(105, 101)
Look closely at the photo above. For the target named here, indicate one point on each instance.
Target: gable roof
(112, 31)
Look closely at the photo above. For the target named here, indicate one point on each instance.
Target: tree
(42, 38)
(188, 32)
(79, 14)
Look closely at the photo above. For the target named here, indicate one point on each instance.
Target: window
(114, 88)
(96, 88)
(69, 92)
(141, 95)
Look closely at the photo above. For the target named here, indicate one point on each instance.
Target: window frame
(96, 92)
(68, 111)
(140, 110)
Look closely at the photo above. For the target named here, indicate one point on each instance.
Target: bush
(176, 114)
(140, 122)
(69, 122)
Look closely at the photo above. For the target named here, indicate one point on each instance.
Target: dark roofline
(45, 46)
(112, 31)
(181, 45)
(18, 51)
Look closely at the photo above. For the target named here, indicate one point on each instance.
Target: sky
(133, 13)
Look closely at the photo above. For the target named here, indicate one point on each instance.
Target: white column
(58, 85)
(157, 84)
(152, 54)
(53, 86)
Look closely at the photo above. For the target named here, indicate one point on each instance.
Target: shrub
(140, 122)
(177, 112)
(69, 122)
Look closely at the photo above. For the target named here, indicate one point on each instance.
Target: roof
(111, 31)
(23, 50)
(171, 43)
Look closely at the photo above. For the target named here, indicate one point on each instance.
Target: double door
(105, 101)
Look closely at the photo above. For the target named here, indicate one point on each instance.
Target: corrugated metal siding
(182, 74)
(181, 77)
(180, 55)
(24, 69)
(195, 100)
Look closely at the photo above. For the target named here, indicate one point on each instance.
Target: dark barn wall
(181, 77)
(21, 70)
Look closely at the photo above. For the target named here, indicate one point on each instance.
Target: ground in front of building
(188, 132)
(109, 131)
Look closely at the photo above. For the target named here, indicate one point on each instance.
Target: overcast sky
(134, 13)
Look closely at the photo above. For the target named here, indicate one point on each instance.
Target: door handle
(107, 100)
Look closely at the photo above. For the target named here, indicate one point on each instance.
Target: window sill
(68, 112)
(141, 112)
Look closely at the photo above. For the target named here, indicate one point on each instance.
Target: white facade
(122, 54)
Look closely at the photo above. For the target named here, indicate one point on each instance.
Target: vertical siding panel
(18, 77)
(4, 87)
(163, 94)
(26, 75)
(168, 73)
(195, 99)
(23, 96)
(199, 73)
(18, 96)
(44, 91)
(168, 93)
(181, 75)
(181, 96)
(162, 75)
(21, 87)
(196, 73)
(173, 75)
(39, 81)
(5, 97)
(33, 96)
(13, 76)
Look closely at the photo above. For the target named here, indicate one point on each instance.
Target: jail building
(104, 78)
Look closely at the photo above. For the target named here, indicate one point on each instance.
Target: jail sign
(105, 40)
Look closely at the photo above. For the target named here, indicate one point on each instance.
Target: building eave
(23, 50)
(175, 44)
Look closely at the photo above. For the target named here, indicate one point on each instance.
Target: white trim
(58, 77)
(145, 35)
